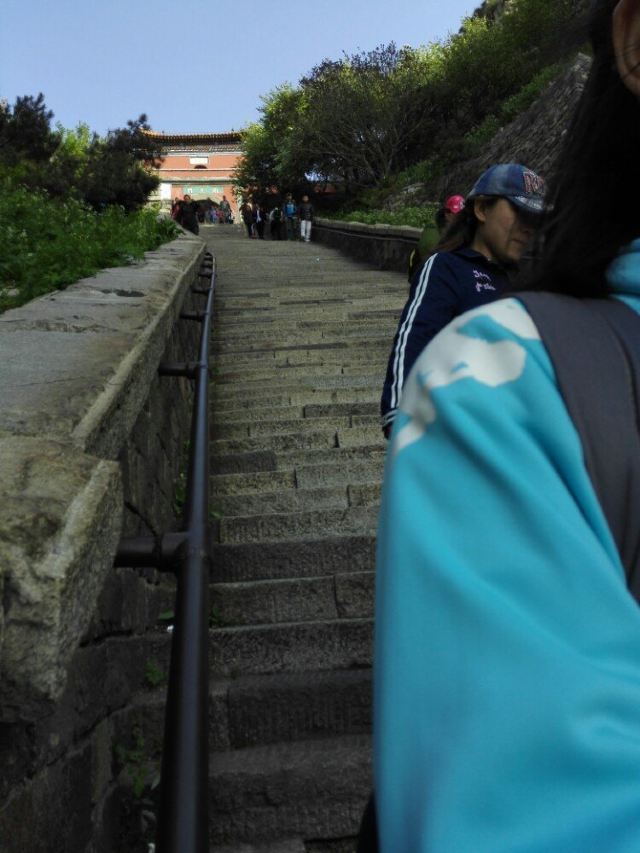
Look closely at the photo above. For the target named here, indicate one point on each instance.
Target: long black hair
(594, 195)
(461, 231)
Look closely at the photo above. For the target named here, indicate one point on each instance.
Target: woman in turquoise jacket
(507, 658)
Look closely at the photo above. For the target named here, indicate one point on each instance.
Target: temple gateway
(200, 164)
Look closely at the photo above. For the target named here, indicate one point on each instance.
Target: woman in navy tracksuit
(468, 269)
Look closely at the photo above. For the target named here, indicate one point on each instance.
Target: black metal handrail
(183, 810)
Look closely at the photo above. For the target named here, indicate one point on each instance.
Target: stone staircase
(301, 339)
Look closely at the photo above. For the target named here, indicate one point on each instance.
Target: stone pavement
(301, 340)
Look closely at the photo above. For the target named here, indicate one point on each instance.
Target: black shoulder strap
(594, 345)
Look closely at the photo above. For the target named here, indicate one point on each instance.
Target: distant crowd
(191, 213)
(287, 221)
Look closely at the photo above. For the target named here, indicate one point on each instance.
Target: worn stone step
(291, 327)
(339, 356)
(349, 471)
(312, 789)
(328, 437)
(303, 397)
(289, 500)
(257, 710)
(316, 376)
(299, 525)
(280, 443)
(282, 845)
(256, 414)
(267, 602)
(251, 429)
(262, 391)
(343, 474)
(270, 460)
(309, 339)
(276, 373)
(278, 413)
(253, 482)
(314, 349)
(290, 647)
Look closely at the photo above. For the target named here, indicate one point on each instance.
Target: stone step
(252, 429)
(282, 845)
(329, 437)
(291, 647)
(304, 397)
(268, 460)
(271, 602)
(248, 375)
(313, 789)
(263, 391)
(290, 327)
(310, 338)
(294, 500)
(377, 352)
(297, 559)
(256, 710)
(271, 527)
(278, 413)
(242, 350)
(290, 500)
(321, 475)
(285, 381)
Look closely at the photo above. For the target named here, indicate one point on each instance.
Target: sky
(192, 65)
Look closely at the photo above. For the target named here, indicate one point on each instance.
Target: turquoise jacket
(507, 650)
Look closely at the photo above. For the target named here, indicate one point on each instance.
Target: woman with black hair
(469, 267)
(507, 651)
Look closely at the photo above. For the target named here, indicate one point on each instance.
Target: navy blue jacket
(445, 286)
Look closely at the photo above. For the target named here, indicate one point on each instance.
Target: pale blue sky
(191, 65)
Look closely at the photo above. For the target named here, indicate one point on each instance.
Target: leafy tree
(117, 168)
(25, 131)
(77, 163)
(360, 120)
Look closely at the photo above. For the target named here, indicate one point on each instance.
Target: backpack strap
(594, 345)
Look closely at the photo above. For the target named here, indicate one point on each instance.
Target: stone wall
(91, 440)
(385, 246)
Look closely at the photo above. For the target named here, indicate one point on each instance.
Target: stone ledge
(76, 369)
(77, 364)
(60, 523)
(380, 230)
(384, 246)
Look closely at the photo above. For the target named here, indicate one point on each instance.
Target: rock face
(300, 348)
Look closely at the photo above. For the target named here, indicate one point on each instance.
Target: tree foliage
(77, 163)
(358, 120)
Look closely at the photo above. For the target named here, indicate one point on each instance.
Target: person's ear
(480, 209)
(626, 43)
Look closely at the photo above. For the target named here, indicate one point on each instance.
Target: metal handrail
(183, 810)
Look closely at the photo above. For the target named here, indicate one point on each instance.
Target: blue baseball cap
(516, 183)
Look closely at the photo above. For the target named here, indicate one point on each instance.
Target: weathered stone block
(59, 528)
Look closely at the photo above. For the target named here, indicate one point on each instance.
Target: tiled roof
(195, 138)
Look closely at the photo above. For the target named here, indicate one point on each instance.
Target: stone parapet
(386, 246)
(87, 449)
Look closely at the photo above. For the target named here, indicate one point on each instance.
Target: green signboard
(202, 190)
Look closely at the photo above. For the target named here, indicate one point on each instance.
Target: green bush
(418, 217)
(46, 244)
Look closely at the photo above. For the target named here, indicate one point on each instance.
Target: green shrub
(523, 99)
(46, 244)
(418, 217)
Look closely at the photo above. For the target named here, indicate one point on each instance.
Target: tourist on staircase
(305, 214)
(470, 267)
